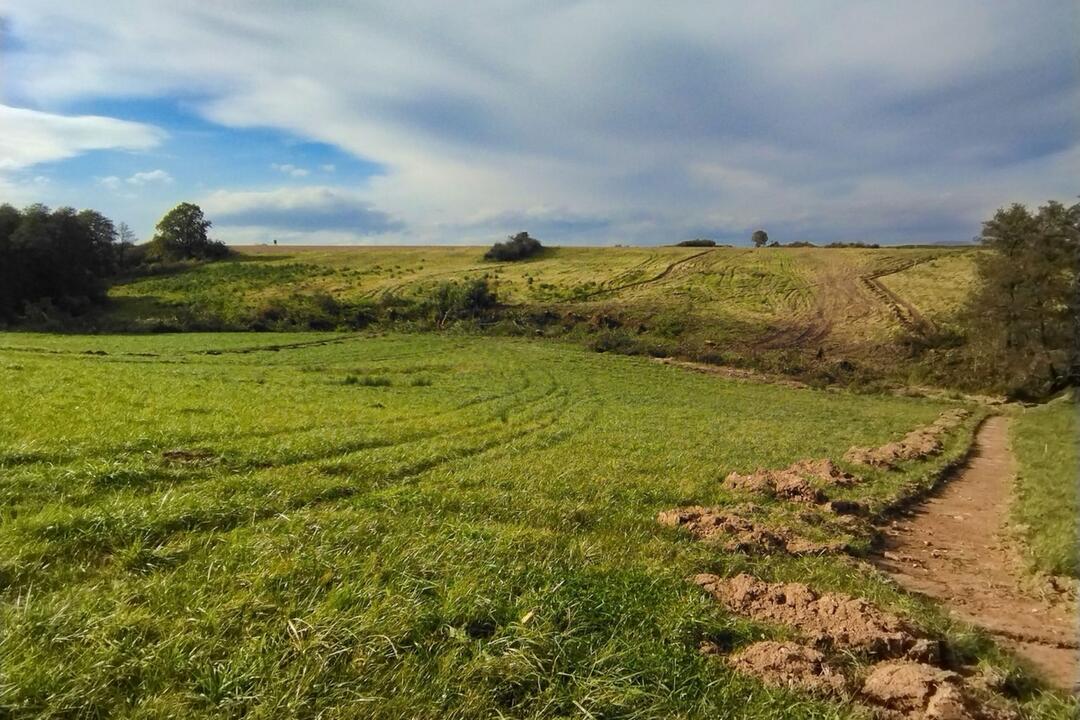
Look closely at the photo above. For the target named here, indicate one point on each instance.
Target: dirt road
(952, 548)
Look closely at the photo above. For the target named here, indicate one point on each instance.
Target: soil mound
(799, 482)
(740, 534)
(914, 690)
(789, 665)
(917, 444)
(828, 620)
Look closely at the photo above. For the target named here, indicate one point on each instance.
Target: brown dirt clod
(917, 444)
(828, 620)
(741, 534)
(797, 481)
(789, 665)
(907, 689)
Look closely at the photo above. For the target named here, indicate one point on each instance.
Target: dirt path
(950, 548)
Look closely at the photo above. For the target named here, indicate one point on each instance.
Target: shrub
(697, 242)
(516, 247)
(454, 300)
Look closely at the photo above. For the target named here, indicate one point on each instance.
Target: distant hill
(730, 305)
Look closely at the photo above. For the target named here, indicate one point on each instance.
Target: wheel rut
(952, 548)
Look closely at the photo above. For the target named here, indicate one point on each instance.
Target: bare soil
(917, 444)
(790, 665)
(737, 533)
(953, 548)
(828, 620)
(905, 689)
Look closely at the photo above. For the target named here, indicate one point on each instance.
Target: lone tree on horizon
(181, 235)
(760, 238)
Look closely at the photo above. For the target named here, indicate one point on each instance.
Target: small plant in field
(367, 380)
(421, 382)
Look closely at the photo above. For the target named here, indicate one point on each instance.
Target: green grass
(222, 526)
(687, 299)
(1047, 503)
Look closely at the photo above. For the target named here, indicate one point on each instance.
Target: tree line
(65, 258)
(1022, 323)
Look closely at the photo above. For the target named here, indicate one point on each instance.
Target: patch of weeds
(367, 380)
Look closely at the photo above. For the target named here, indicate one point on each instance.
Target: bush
(516, 247)
(697, 242)
(454, 300)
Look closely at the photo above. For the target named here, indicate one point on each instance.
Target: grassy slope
(1047, 495)
(937, 288)
(726, 294)
(474, 539)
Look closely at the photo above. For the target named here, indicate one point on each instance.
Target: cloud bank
(30, 137)
(632, 122)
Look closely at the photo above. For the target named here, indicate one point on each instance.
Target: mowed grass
(227, 526)
(731, 294)
(939, 287)
(1047, 504)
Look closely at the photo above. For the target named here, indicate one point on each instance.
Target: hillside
(789, 308)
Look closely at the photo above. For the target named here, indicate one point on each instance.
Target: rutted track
(649, 281)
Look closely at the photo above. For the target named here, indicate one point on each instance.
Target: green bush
(516, 247)
(454, 300)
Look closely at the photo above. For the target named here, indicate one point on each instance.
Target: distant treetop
(181, 235)
(516, 247)
(760, 238)
(697, 242)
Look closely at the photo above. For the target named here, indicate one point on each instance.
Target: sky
(588, 123)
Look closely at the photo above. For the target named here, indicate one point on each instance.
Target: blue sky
(582, 122)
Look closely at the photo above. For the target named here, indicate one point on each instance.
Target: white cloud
(110, 182)
(291, 170)
(30, 137)
(150, 176)
(329, 167)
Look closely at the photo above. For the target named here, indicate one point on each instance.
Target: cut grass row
(245, 534)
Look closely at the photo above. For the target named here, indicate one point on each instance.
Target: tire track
(648, 281)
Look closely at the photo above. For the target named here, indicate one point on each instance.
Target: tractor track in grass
(649, 281)
(539, 427)
(838, 295)
(952, 548)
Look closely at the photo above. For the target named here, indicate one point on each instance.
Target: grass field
(1047, 505)
(823, 303)
(425, 526)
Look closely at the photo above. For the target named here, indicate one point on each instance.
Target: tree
(61, 256)
(760, 238)
(126, 234)
(182, 235)
(1022, 319)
